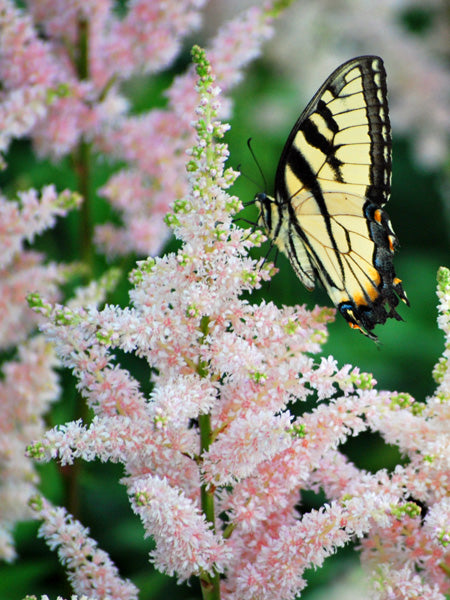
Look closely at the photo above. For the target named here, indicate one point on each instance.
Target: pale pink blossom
(149, 38)
(185, 542)
(23, 219)
(32, 71)
(24, 274)
(272, 567)
(25, 59)
(28, 381)
(402, 582)
(29, 384)
(249, 440)
(20, 110)
(89, 569)
(218, 423)
(140, 445)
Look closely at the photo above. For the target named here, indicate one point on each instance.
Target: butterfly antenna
(247, 176)
(249, 144)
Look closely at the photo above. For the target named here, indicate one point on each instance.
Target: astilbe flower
(29, 384)
(21, 270)
(90, 570)
(186, 307)
(28, 381)
(61, 66)
(411, 557)
(235, 368)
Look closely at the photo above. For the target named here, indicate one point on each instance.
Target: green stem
(210, 584)
(207, 495)
(82, 155)
(81, 158)
(82, 58)
(210, 587)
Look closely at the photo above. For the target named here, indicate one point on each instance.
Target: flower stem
(210, 584)
(81, 160)
(207, 494)
(82, 156)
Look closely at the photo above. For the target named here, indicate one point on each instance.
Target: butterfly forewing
(331, 183)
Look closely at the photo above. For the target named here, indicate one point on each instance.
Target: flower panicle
(61, 101)
(185, 542)
(29, 385)
(441, 371)
(80, 554)
(214, 459)
(30, 215)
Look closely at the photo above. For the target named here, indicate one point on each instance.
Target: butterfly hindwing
(332, 180)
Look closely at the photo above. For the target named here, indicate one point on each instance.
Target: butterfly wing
(332, 181)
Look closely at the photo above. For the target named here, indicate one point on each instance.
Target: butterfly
(332, 181)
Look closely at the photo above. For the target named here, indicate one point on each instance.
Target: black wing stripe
(302, 170)
(327, 115)
(295, 230)
(318, 140)
(315, 138)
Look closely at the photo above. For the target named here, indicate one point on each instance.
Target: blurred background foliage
(402, 361)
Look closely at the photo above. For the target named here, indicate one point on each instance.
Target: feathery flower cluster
(61, 66)
(214, 458)
(22, 271)
(410, 558)
(90, 570)
(62, 89)
(28, 382)
(221, 496)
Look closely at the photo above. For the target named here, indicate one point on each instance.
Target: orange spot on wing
(377, 215)
(374, 276)
(359, 299)
(373, 293)
(370, 291)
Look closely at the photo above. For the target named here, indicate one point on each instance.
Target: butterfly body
(332, 181)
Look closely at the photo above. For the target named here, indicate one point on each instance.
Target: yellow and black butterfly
(333, 178)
